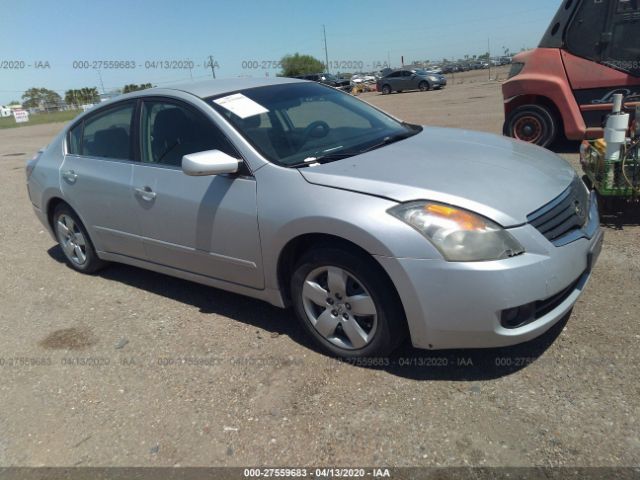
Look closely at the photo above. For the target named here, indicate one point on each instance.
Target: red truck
(590, 52)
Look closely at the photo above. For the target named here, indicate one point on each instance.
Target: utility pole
(326, 54)
(213, 71)
(489, 51)
(101, 84)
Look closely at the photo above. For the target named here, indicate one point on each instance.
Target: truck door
(602, 56)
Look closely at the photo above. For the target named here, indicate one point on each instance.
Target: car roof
(212, 87)
(202, 89)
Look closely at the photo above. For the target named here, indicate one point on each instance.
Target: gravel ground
(132, 368)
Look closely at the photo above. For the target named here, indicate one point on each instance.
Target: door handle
(70, 176)
(145, 193)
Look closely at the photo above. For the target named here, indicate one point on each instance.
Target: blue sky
(367, 31)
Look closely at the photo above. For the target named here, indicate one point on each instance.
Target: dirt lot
(134, 368)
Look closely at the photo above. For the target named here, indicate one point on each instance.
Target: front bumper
(461, 304)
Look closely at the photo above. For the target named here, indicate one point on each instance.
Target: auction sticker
(242, 106)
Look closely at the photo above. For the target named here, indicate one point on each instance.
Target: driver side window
(170, 131)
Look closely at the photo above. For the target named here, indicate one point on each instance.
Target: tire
(533, 124)
(424, 86)
(74, 241)
(386, 89)
(323, 282)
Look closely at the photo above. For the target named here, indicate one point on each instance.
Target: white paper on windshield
(242, 106)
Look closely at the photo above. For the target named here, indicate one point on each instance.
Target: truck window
(625, 36)
(585, 30)
(607, 32)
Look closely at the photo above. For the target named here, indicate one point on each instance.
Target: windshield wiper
(387, 141)
(329, 157)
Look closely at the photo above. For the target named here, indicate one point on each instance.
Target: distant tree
(14, 102)
(40, 98)
(82, 96)
(297, 64)
(132, 87)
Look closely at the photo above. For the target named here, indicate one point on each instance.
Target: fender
(544, 76)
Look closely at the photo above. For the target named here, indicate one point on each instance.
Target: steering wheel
(317, 129)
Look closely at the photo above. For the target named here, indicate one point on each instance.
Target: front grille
(566, 213)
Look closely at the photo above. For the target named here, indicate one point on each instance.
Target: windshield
(294, 123)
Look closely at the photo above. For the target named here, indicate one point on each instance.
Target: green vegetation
(82, 96)
(132, 87)
(297, 64)
(34, 97)
(40, 118)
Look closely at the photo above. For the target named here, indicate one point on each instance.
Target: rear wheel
(386, 89)
(347, 304)
(74, 241)
(532, 123)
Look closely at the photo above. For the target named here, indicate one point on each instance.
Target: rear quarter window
(74, 141)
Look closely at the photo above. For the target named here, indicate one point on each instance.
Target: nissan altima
(372, 229)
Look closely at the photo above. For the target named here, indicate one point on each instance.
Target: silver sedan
(295, 193)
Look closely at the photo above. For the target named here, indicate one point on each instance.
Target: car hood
(497, 177)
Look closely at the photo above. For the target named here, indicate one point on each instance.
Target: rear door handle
(145, 193)
(70, 176)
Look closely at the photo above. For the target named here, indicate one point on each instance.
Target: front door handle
(70, 176)
(145, 193)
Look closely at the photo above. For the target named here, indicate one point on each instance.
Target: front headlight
(460, 235)
(434, 79)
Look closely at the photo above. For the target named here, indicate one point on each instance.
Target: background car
(326, 79)
(404, 79)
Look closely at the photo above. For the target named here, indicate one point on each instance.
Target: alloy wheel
(72, 240)
(339, 307)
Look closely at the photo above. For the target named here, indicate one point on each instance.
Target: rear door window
(108, 134)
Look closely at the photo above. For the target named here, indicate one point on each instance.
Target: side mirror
(210, 162)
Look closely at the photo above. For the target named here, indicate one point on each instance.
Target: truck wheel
(532, 123)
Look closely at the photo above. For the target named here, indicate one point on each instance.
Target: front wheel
(347, 304)
(424, 86)
(533, 124)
